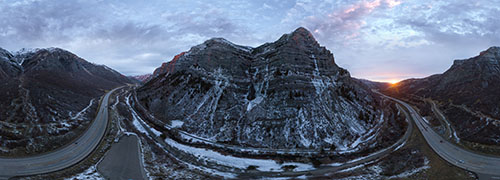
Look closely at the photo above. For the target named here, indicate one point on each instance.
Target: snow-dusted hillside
(48, 97)
(468, 94)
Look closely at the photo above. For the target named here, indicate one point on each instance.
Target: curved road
(486, 167)
(62, 158)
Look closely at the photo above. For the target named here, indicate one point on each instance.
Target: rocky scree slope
(469, 95)
(285, 94)
(48, 97)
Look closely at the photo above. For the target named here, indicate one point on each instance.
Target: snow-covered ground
(237, 162)
(90, 173)
(412, 172)
(140, 125)
(376, 170)
(425, 119)
(176, 123)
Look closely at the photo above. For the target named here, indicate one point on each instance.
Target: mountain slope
(8, 67)
(468, 93)
(285, 94)
(49, 99)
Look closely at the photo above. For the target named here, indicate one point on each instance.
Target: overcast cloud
(373, 39)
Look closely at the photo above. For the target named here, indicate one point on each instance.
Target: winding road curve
(486, 167)
(62, 158)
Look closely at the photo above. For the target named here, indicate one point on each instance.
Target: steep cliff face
(469, 93)
(48, 97)
(285, 94)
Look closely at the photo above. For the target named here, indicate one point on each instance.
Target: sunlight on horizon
(393, 81)
(390, 81)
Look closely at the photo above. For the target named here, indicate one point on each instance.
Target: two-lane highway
(487, 167)
(64, 157)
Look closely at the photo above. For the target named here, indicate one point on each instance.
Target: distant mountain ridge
(143, 78)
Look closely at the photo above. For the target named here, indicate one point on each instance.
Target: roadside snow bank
(90, 173)
(238, 162)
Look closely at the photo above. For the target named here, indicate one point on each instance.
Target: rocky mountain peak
(167, 66)
(486, 60)
(492, 52)
(218, 40)
(56, 60)
(26, 54)
(224, 43)
(31, 51)
(50, 58)
(301, 38)
(53, 51)
(22, 54)
(303, 32)
(274, 95)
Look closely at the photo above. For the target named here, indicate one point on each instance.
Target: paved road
(123, 160)
(487, 167)
(62, 158)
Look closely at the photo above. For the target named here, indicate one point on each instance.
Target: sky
(381, 40)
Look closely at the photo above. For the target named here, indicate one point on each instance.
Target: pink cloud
(345, 23)
(366, 7)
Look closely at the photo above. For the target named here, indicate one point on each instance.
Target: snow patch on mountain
(176, 123)
(79, 114)
(413, 171)
(222, 40)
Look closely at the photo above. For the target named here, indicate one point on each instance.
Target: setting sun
(393, 81)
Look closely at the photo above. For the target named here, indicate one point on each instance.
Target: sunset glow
(393, 81)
